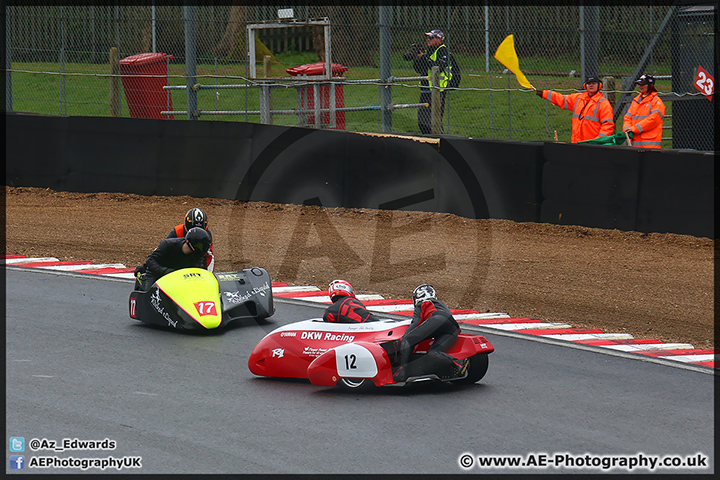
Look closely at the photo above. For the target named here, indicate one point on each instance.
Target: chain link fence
(62, 60)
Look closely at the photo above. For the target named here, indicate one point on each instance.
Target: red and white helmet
(340, 287)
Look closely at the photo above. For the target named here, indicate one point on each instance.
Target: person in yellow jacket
(437, 54)
(592, 112)
(645, 116)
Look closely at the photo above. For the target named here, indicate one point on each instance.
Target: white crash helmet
(422, 293)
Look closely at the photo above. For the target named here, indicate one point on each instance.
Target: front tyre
(356, 384)
(476, 369)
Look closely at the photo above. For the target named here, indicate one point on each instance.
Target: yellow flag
(506, 55)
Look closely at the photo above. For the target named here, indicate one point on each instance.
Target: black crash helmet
(198, 239)
(195, 218)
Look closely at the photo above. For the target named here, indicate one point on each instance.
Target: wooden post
(114, 83)
(266, 65)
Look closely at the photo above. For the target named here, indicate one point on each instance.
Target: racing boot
(392, 349)
(461, 367)
(403, 354)
(450, 367)
(400, 374)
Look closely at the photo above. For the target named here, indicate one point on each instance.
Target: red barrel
(307, 94)
(143, 77)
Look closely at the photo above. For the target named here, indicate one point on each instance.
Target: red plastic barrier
(143, 76)
(317, 68)
(307, 94)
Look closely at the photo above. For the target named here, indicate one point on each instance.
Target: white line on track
(16, 261)
(70, 268)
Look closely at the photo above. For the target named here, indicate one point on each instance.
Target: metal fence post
(385, 69)
(8, 103)
(154, 28)
(190, 61)
(93, 39)
(435, 120)
(316, 97)
(333, 108)
(509, 90)
(491, 107)
(63, 36)
(588, 41)
(487, 37)
(265, 117)
(265, 102)
(623, 102)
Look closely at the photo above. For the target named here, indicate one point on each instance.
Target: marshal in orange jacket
(592, 115)
(645, 119)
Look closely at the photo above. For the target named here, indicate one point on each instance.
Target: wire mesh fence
(59, 61)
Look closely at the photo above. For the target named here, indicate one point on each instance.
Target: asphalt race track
(78, 367)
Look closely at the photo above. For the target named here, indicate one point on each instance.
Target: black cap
(645, 79)
(436, 33)
(593, 78)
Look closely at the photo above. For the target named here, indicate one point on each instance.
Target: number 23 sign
(705, 83)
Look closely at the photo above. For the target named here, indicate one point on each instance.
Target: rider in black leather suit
(431, 319)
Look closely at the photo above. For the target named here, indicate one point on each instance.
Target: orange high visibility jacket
(592, 116)
(645, 117)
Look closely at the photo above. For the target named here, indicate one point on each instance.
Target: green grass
(489, 105)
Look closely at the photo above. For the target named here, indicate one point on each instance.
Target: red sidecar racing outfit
(345, 309)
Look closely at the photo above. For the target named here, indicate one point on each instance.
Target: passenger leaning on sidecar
(345, 307)
(431, 319)
(173, 254)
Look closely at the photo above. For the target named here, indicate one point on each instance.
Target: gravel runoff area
(648, 285)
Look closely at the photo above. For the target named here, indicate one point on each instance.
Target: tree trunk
(236, 21)
(146, 41)
(318, 38)
(352, 42)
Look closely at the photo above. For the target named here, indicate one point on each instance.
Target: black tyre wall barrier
(677, 193)
(342, 169)
(36, 151)
(590, 185)
(628, 188)
(507, 173)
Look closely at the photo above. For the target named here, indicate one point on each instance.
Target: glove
(539, 93)
(139, 271)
